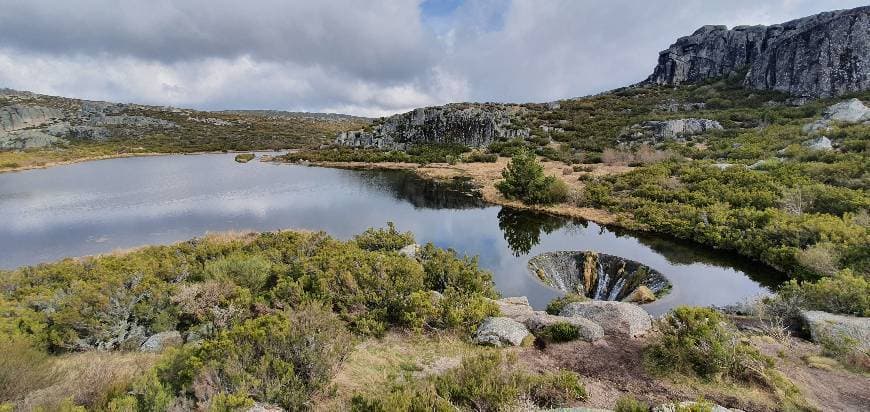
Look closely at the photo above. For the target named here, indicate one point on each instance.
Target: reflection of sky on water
(96, 207)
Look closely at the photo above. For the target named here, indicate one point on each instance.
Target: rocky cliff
(468, 124)
(824, 55)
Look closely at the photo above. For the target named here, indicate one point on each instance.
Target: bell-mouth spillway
(599, 276)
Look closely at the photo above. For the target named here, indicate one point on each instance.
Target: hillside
(37, 129)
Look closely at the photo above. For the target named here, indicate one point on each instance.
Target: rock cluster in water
(599, 276)
(823, 55)
(470, 125)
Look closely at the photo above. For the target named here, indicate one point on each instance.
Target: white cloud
(367, 58)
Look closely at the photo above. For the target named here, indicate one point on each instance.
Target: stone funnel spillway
(599, 276)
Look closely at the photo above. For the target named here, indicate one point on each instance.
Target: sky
(368, 58)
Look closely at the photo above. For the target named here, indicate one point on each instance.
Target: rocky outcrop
(596, 275)
(849, 111)
(500, 331)
(618, 318)
(824, 55)
(29, 120)
(657, 131)
(159, 341)
(587, 330)
(848, 330)
(470, 125)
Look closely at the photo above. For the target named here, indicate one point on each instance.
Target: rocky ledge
(475, 125)
(599, 276)
(823, 55)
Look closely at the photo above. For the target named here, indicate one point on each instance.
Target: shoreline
(127, 155)
(484, 176)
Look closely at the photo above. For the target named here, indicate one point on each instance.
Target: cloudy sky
(361, 57)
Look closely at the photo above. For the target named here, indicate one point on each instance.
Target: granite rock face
(823, 55)
(657, 131)
(29, 120)
(469, 125)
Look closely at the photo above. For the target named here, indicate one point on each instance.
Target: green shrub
(698, 342)
(251, 272)
(280, 359)
(629, 404)
(385, 239)
(556, 305)
(478, 156)
(487, 382)
(560, 332)
(844, 292)
(23, 369)
(524, 179)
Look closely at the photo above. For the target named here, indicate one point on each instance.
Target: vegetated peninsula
(752, 139)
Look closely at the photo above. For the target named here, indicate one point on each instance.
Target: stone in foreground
(159, 341)
(588, 330)
(824, 325)
(617, 318)
(500, 332)
(516, 308)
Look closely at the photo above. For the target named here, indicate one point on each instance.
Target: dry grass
(88, 379)
(375, 363)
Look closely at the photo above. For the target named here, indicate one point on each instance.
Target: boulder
(516, 308)
(265, 407)
(618, 318)
(657, 131)
(159, 341)
(500, 331)
(588, 330)
(410, 251)
(641, 294)
(687, 405)
(849, 111)
(819, 143)
(824, 325)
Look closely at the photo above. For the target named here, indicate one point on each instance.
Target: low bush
(23, 369)
(385, 239)
(560, 332)
(556, 305)
(628, 403)
(844, 292)
(487, 382)
(524, 179)
(698, 342)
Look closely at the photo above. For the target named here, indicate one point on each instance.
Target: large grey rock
(687, 405)
(26, 139)
(824, 325)
(823, 55)
(657, 131)
(516, 308)
(849, 111)
(499, 331)
(265, 407)
(588, 330)
(159, 341)
(819, 143)
(17, 117)
(617, 318)
(470, 125)
(411, 250)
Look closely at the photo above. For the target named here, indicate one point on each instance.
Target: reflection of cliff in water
(422, 193)
(522, 229)
(684, 252)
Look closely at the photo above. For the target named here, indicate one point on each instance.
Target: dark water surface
(100, 206)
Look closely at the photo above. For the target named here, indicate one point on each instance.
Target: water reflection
(97, 207)
(522, 230)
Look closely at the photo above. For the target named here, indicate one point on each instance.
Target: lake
(96, 207)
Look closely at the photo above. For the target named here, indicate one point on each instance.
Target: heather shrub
(385, 239)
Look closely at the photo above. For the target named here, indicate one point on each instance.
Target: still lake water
(95, 207)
